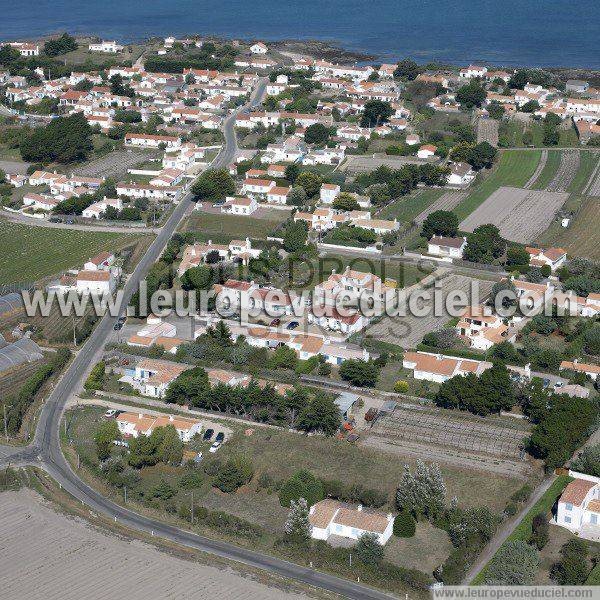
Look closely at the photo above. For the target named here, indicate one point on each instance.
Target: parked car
(559, 384)
(198, 457)
(55, 220)
(110, 414)
(208, 434)
(118, 325)
(214, 447)
(220, 437)
(275, 322)
(122, 443)
(292, 325)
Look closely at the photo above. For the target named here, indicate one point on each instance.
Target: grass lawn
(513, 131)
(587, 164)
(29, 253)
(222, 228)
(549, 170)
(407, 208)
(544, 505)
(579, 239)
(514, 168)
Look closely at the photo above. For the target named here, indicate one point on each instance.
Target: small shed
(345, 401)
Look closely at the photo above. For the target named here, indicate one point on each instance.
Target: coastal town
(347, 296)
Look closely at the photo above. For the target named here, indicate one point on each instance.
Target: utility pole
(125, 489)
(5, 422)
(74, 335)
(192, 511)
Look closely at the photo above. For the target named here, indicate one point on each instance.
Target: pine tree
(404, 525)
(436, 491)
(298, 525)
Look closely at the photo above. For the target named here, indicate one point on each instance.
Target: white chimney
(359, 508)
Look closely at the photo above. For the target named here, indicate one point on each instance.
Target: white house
(348, 322)
(278, 195)
(592, 371)
(445, 246)
(96, 210)
(330, 517)
(95, 282)
(482, 329)
(473, 71)
(579, 507)
(104, 46)
(259, 48)
(26, 48)
(146, 140)
(134, 424)
(100, 262)
(460, 174)
(240, 206)
(427, 151)
(328, 193)
(553, 257)
(153, 377)
(439, 368)
(257, 187)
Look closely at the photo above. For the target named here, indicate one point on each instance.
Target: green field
(549, 171)
(407, 208)
(514, 169)
(221, 228)
(587, 163)
(29, 253)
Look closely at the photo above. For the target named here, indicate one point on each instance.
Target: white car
(215, 447)
(109, 414)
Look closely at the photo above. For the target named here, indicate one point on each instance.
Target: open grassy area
(523, 530)
(549, 170)
(580, 238)
(514, 168)
(222, 228)
(29, 253)
(587, 163)
(407, 208)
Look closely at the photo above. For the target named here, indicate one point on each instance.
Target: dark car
(208, 434)
(292, 325)
(118, 325)
(69, 221)
(55, 220)
(275, 322)
(220, 437)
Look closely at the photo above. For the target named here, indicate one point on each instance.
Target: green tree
(106, 434)
(188, 388)
(316, 133)
(301, 484)
(517, 256)
(61, 45)
(530, 107)
(360, 373)
(407, 70)
(471, 95)
(95, 381)
(572, 569)
(295, 236)
(484, 245)
(404, 525)
(237, 471)
(291, 172)
(298, 527)
(516, 563)
(495, 110)
(311, 182)
(540, 531)
(296, 196)
(171, 447)
(320, 414)
(197, 278)
(440, 222)
(345, 202)
(588, 461)
(482, 156)
(376, 112)
(369, 550)
(214, 184)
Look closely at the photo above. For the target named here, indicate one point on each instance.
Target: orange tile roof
(576, 491)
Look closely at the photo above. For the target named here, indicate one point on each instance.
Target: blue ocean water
(500, 32)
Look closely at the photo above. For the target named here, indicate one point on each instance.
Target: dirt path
(49, 555)
(538, 170)
(505, 530)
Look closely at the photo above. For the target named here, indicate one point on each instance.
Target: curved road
(45, 450)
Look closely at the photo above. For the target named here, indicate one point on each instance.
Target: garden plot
(115, 164)
(487, 131)
(446, 201)
(408, 331)
(520, 215)
(569, 164)
(538, 170)
(452, 436)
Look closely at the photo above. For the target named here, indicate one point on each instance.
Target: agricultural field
(62, 249)
(592, 188)
(565, 173)
(447, 201)
(222, 228)
(579, 239)
(546, 170)
(487, 131)
(12, 380)
(515, 168)
(115, 164)
(521, 215)
(69, 558)
(589, 167)
(408, 208)
(408, 331)
(432, 433)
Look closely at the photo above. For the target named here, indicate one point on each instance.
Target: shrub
(404, 525)
(401, 386)
(237, 471)
(302, 484)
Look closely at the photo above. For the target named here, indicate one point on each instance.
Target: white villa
(439, 368)
(579, 507)
(446, 247)
(134, 424)
(330, 517)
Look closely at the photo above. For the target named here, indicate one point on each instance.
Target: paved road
(46, 452)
